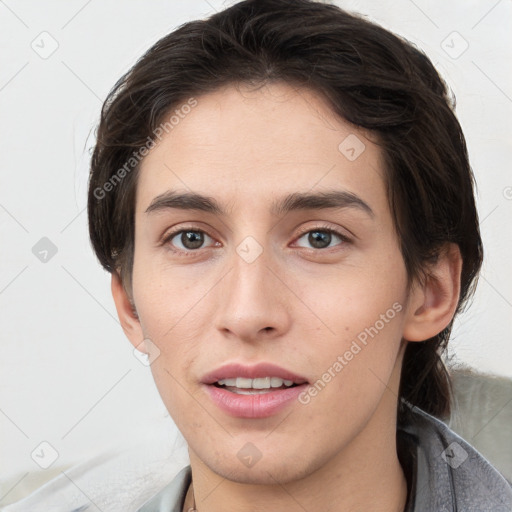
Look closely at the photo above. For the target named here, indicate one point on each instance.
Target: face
(292, 259)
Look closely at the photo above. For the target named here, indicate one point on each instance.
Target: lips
(254, 403)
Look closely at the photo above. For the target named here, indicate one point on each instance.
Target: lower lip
(260, 405)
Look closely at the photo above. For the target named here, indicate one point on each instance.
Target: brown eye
(188, 239)
(321, 238)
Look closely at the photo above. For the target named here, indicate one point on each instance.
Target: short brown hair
(369, 76)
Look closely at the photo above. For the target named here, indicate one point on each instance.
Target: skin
(295, 305)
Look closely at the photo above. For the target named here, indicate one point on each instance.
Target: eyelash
(322, 228)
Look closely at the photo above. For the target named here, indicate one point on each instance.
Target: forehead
(248, 147)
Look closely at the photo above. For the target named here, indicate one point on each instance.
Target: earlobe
(432, 304)
(126, 311)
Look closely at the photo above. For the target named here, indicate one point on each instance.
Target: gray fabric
(449, 475)
(445, 474)
(172, 497)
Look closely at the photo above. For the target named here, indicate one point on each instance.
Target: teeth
(276, 382)
(260, 383)
(243, 383)
(227, 382)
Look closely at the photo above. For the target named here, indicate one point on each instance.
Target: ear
(126, 312)
(432, 304)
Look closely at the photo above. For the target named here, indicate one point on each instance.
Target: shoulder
(171, 497)
(450, 473)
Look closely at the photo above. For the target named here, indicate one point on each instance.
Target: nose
(253, 300)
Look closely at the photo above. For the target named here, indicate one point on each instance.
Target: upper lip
(233, 370)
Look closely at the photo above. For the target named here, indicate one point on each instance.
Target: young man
(283, 196)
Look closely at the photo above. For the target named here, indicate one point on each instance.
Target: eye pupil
(319, 239)
(192, 239)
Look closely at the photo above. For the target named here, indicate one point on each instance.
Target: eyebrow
(339, 199)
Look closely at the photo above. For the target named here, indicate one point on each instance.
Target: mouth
(253, 392)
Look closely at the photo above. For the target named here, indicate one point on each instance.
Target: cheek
(170, 320)
(174, 315)
(355, 298)
(363, 317)
(166, 299)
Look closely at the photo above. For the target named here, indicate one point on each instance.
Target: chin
(269, 472)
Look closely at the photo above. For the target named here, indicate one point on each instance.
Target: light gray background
(68, 375)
